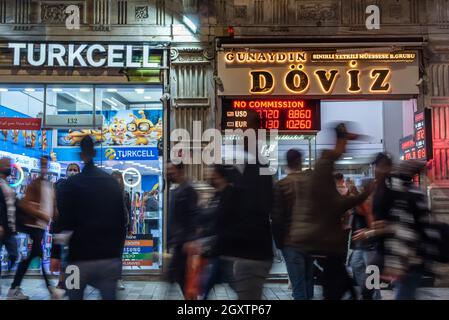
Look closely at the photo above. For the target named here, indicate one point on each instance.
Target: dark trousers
(300, 271)
(36, 235)
(336, 280)
(100, 274)
(178, 267)
(10, 243)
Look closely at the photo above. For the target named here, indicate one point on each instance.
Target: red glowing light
(283, 115)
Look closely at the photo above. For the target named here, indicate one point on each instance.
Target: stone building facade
(422, 24)
(190, 29)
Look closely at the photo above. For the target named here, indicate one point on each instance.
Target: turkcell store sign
(81, 55)
(110, 154)
(138, 251)
(127, 154)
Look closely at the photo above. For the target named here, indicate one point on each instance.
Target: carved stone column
(193, 95)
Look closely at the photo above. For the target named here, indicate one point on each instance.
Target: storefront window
(129, 143)
(132, 146)
(24, 146)
(27, 101)
(127, 130)
(69, 99)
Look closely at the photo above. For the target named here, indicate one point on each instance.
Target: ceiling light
(348, 158)
(56, 90)
(147, 98)
(111, 90)
(85, 90)
(30, 90)
(3, 90)
(111, 102)
(140, 91)
(189, 23)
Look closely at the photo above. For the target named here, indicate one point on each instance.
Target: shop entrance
(127, 125)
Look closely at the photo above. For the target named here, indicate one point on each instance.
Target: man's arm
(346, 203)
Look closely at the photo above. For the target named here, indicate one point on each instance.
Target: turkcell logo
(125, 154)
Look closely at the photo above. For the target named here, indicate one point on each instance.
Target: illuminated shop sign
(133, 153)
(314, 73)
(284, 115)
(419, 145)
(81, 55)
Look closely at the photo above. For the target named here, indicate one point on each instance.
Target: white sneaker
(57, 293)
(16, 294)
(120, 285)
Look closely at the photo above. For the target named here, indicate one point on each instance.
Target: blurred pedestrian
(363, 249)
(151, 201)
(38, 208)
(319, 229)
(290, 197)
(58, 254)
(249, 250)
(127, 203)
(93, 210)
(406, 241)
(7, 215)
(183, 210)
(217, 229)
(380, 204)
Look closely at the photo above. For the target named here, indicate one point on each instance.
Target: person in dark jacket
(291, 192)
(246, 242)
(318, 229)
(371, 235)
(58, 252)
(212, 228)
(93, 210)
(182, 214)
(363, 250)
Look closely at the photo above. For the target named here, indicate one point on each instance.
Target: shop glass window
(73, 100)
(21, 101)
(132, 146)
(116, 98)
(24, 147)
(25, 102)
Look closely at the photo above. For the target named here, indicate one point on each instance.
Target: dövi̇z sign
(293, 73)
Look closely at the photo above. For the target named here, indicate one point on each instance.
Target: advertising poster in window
(138, 251)
(120, 128)
(17, 139)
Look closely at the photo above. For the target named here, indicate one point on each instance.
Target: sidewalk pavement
(156, 290)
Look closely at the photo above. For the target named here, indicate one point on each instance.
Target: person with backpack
(7, 215)
(37, 207)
